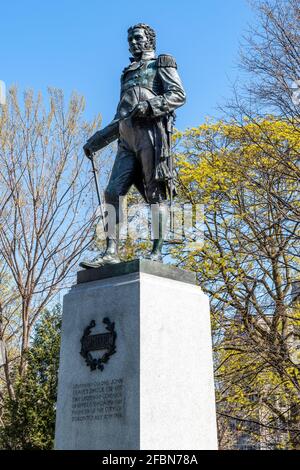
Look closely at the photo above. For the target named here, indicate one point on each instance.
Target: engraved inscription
(98, 401)
(97, 342)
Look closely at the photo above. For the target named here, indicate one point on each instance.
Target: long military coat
(156, 81)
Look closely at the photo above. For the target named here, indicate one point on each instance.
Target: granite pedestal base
(156, 390)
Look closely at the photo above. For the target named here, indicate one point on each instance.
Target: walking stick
(171, 198)
(170, 133)
(95, 172)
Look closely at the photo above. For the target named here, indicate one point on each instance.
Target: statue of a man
(151, 90)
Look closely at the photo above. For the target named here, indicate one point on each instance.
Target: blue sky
(82, 46)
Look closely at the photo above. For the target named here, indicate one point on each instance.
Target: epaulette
(165, 60)
(125, 69)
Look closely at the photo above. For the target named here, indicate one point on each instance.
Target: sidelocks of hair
(150, 33)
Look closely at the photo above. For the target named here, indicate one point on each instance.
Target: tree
(46, 221)
(265, 114)
(247, 263)
(270, 57)
(28, 421)
(47, 213)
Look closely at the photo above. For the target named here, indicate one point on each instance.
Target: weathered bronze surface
(151, 90)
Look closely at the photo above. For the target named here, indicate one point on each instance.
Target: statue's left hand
(141, 110)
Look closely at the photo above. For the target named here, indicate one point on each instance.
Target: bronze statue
(151, 90)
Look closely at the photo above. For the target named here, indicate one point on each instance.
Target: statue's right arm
(103, 137)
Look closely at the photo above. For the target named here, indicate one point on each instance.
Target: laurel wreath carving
(98, 363)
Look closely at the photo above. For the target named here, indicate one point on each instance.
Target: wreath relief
(102, 341)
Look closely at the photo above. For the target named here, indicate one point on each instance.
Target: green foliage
(245, 174)
(29, 419)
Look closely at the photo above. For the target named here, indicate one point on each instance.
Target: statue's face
(138, 42)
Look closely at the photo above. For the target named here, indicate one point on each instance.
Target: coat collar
(147, 55)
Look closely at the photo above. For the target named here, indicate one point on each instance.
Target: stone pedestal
(156, 390)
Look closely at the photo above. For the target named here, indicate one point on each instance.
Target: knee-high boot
(110, 255)
(159, 224)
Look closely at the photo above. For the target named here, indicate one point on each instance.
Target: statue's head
(141, 37)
